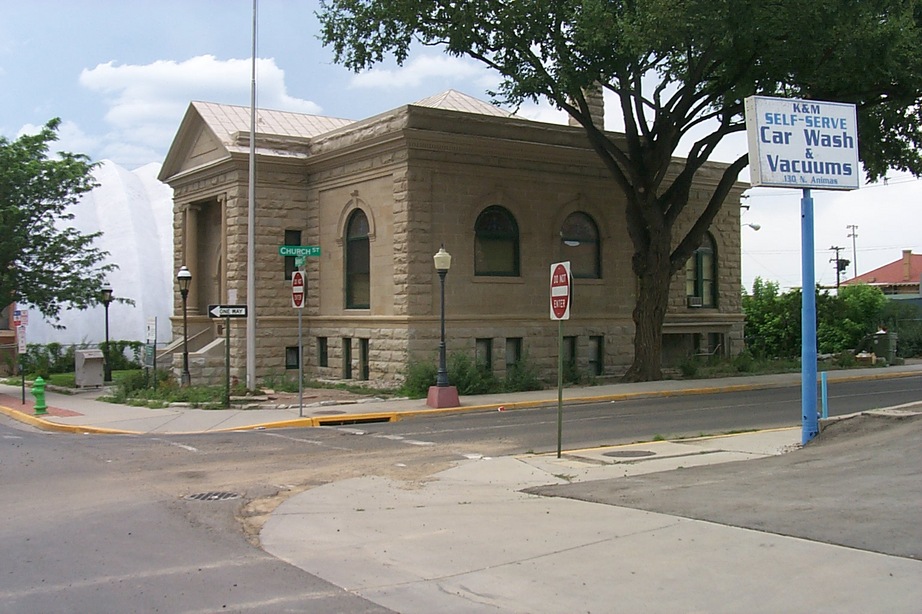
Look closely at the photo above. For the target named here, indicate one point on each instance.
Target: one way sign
(227, 311)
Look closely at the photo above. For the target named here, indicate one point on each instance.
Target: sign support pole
(559, 385)
(809, 427)
(300, 366)
(227, 362)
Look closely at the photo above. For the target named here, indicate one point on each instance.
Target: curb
(47, 425)
(394, 416)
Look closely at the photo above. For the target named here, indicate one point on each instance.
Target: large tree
(43, 263)
(680, 71)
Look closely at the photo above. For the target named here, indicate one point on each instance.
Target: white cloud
(423, 69)
(70, 138)
(146, 102)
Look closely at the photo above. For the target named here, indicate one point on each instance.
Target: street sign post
(297, 290)
(560, 291)
(561, 295)
(227, 311)
(297, 301)
(299, 250)
(807, 144)
(21, 340)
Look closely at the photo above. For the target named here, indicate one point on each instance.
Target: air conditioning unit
(695, 301)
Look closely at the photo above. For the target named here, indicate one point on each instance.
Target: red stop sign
(560, 291)
(297, 289)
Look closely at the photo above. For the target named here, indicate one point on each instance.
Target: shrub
(744, 362)
(419, 376)
(522, 376)
(689, 367)
(470, 377)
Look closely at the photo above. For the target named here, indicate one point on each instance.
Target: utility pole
(840, 264)
(854, 235)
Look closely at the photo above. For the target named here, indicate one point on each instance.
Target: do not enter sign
(560, 291)
(297, 290)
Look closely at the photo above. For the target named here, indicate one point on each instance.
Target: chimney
(907, 264)
(596, 104)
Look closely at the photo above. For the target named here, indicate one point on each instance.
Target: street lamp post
(442, 394)
(106, 293)
(184, 278)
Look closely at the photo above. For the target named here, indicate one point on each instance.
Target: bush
(419, 376)
(744, 362)
(689, 367)
(522, 376)
(43, 360)
(470, 377)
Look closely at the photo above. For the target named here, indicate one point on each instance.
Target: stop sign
(560, 291)
(297, 289)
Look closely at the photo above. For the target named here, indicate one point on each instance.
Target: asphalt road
(101, 523)
(619, 422)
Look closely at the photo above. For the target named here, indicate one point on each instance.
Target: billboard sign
(802, 143)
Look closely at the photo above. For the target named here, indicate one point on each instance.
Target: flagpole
(251, 227)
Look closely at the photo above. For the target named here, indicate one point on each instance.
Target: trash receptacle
(884, 345)
(88, 368)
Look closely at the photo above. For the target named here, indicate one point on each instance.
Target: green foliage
(672, 67)
(469, 377)
(138, 388)
(419, 376)
(42, 262)
(905, 319)
(57, 358)
(43, 360)
(773, 320)
(522, 376)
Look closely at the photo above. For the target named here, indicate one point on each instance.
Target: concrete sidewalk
(83, 413)
(478, 538)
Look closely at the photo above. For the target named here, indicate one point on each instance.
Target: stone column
(191, 255)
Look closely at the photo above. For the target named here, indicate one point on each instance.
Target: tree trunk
(654, 278)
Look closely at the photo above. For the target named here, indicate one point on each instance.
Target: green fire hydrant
(38, 391)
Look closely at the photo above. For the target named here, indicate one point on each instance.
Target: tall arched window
(496, 243)
(701, 275)
(358, 262)
(579, 237)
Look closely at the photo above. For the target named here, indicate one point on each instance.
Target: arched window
(358, 262)
(496, 243)
(579, 237)
(701, 275)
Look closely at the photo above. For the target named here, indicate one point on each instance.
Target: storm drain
(629, 453)
(212, 496)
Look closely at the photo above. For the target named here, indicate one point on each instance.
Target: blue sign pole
(810, 426)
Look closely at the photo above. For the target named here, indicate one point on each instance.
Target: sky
(121, 73)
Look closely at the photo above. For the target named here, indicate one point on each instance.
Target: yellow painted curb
(47, 425)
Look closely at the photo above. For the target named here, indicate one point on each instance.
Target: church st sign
(802, 143)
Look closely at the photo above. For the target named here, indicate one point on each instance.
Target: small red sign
(297, 290)
(560, 291)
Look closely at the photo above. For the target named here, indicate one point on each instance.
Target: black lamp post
(184, 278)
(442, 264)
(106, 293)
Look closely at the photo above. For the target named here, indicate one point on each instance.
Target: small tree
(42, 264)
(773, 320)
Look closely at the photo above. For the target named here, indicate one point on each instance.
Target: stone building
(504, 195)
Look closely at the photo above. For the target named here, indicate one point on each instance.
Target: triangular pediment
(205, 148)
(195, 145)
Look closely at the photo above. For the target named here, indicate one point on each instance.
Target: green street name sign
(299, 250)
